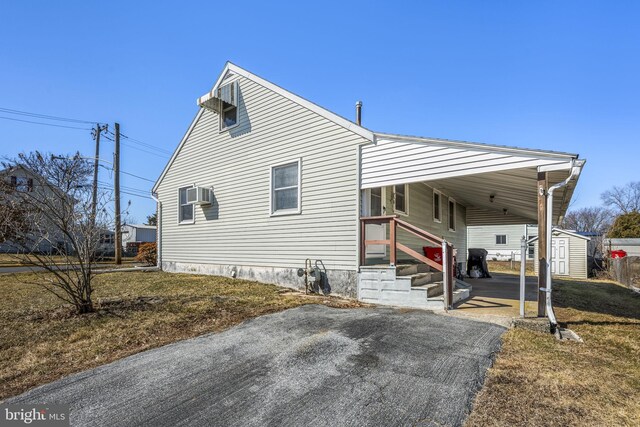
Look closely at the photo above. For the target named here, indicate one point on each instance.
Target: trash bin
(433, 253)
(618, 254)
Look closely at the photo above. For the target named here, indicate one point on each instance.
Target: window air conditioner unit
(199, 196)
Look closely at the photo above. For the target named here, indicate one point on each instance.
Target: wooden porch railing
(394, 223)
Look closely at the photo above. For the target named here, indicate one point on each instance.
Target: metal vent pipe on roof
(359, 113)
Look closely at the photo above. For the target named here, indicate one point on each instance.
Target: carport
(495, 184)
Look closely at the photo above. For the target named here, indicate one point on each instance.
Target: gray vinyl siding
(629, 245)
(237, 228)
(485, 237)
(486, 217)
(420, 200)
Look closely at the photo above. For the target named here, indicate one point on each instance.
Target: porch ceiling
(514, 190)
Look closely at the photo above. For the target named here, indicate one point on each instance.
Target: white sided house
(265, 180)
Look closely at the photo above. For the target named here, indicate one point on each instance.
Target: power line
(137, 176)
(126, 192)
(144, 144)
(42, 123)
(45, 116)
(146, 192)
(145, 151)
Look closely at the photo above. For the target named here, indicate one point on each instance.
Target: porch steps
(381, 285)
(410, 269)
(426, 278)
(433, 289)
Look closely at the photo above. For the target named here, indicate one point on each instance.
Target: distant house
(630, 246)
(21, 179)
(502, 242)
(135, 234)
(268, 186)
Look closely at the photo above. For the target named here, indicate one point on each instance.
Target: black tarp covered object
(478, 259)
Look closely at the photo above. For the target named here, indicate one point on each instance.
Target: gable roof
(557, 160)
(562, 231)
(232, 68)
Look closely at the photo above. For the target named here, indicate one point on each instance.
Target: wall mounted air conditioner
(199, 196)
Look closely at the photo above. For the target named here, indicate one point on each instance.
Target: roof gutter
(576, 168)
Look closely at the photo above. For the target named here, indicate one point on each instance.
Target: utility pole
(116, 186)
(94, 199)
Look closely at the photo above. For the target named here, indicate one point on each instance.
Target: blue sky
(545, 74)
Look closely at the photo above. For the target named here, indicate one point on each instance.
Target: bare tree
(47, 219)
(625, 199)
(595, 220)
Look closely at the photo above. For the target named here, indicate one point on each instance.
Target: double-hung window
(228, 98)
(285, 188)
(401, 204)
(452, 215)
(437, 206)
(185, 210)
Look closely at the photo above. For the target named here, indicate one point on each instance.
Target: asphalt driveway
(311, 365)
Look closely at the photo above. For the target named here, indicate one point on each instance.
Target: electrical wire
(144, 144)
(46, 116)
(141, 143)
(42, 123)
(145, 151)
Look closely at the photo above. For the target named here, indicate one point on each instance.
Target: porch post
(543, 186)
(392, 241)
(363, 237)
(523, 272)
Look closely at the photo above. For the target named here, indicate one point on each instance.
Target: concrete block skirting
(342, 282)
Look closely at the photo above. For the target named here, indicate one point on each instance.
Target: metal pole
(116, 186)
(445, 274)
(523, 266)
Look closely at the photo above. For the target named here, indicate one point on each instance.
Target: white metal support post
(523, 267)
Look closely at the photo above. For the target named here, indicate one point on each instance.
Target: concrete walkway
(309, 366)
(498, 297)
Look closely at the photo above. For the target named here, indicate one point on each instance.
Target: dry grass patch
(510, 267)
(17, 260)
(539, 381)
(41, 340)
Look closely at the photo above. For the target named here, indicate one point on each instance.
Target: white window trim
(284, 212)
(439, 221)
(193, 220)
(220, 127)
(455, 213)
(506, 241)
(406, 200)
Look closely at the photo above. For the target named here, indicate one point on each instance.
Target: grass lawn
(539, 381)
(41, 341)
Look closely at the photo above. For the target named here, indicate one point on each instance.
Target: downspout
(159, 231)
(575, 170)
